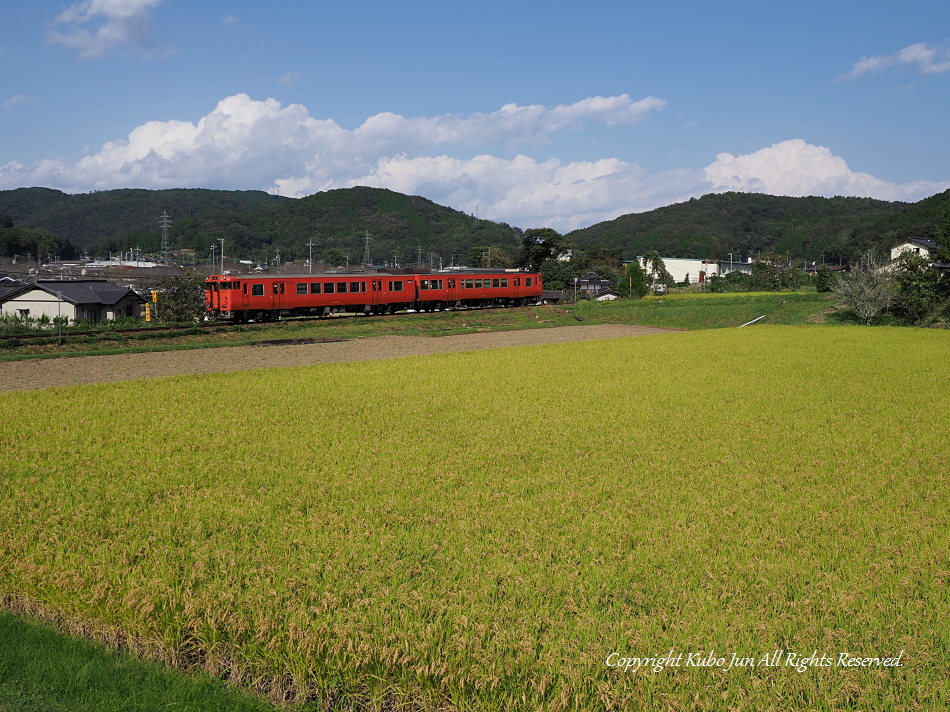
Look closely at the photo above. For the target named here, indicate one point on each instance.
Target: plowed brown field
(46, 373)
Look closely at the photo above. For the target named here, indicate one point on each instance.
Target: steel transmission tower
(164, 222)
(367, 258)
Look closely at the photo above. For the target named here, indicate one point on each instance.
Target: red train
(242, 298)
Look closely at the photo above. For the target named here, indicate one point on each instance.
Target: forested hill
(748, 223)
(256, 225)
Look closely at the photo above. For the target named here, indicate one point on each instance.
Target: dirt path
(33, 374)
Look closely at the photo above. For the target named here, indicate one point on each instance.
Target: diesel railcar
(257, 297)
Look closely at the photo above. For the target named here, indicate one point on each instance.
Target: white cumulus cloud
(796, 168)
(96, 26)
(926, 60)
(245, 143)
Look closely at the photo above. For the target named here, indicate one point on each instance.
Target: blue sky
(537, 114)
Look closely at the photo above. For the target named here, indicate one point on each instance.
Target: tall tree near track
(656, 269)
(870, 289)
(538, 245)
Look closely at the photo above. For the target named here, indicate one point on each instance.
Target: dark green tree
(556, 274)
(181, 299)
(635, 281)
(942, 238)
(824, 279)
(920, 288)
(538, 245)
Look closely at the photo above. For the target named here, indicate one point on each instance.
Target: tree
(824, 279)
(920, 287)
(636, 281)
(656, 269)
(556, 274)
(870, 289)
(942, 238)
(181, 299)
(538, 245)
(488, 256)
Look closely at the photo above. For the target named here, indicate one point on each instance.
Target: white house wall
(679, 268)
(38, 303)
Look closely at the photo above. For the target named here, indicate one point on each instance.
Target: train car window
(527, 281)
(245, 287)
(354, 286)
(341, 287)
(328, 288)
(281, 287)
(423, 284)
(301, 287)
(504, 283)
(495, 283)
(451, 284)
(470, 284)
(257, 290)
(478, 284)
(236, 285)
(395, 286)
(363, 286)
(315, 288)
(207, 286)
(517, 281)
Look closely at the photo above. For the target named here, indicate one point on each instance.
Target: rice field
(498, 530)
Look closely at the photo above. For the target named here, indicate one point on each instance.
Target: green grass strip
(42, 670)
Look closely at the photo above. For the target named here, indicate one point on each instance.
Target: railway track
(52, 334)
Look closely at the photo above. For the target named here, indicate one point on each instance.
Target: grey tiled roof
(85, 291)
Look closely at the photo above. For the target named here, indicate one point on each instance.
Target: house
(683, 268)
(727, 266)
(591, 284)
(91, 299)
(9, 285)
(604, 295)
(913, 245)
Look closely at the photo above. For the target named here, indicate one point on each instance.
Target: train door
(278, 295)
(377, 297)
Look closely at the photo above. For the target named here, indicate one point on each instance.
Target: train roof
(371, 273)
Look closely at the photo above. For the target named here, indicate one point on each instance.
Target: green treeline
(331, 226)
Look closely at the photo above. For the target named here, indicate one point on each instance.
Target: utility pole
(221, 240)
(310, 261)
(213, 248)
